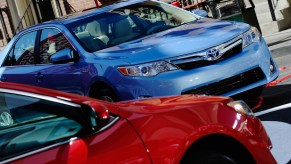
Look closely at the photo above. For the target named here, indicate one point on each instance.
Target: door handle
(3, 79)
(39, 76)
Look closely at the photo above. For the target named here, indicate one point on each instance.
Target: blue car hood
(189, 38)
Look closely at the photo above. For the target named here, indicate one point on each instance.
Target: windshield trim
(43, 97)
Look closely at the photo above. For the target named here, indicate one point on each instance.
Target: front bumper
(258, 142)
(255, 56)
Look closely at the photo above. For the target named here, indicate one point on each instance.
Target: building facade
(19, 14)
(16, 15)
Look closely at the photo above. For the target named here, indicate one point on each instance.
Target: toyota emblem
(213, 54)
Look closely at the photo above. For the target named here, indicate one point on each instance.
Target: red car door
(116, 144)
(49, 130)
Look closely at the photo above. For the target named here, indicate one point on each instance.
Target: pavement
(279, 44)
(275, 109)
(279, 40)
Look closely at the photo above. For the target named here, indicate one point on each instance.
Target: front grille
(200, 63)
(230, 84)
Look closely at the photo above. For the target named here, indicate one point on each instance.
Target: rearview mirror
(201, 13)
(63, 56)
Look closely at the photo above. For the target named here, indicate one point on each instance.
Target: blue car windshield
(127, 23)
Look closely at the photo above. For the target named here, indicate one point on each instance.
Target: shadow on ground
(275, 96)
(271, 97)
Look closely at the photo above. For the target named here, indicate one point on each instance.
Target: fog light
(272, 67)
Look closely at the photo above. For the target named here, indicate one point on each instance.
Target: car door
(50, 130)
(37, 125)
(64, 76)
(19, 62)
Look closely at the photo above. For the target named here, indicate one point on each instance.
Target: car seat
(90, 43)
(98, 30)
(122, 32)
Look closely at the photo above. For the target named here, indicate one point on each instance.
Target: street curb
(278, 37)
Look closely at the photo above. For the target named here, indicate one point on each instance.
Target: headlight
(251, 36)
(147, 69)
(241, 107)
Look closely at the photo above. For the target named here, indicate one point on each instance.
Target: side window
(51, 41)
(34, 123)
(23, 51)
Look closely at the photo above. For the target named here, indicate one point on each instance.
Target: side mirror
(201, 13)
(97, 113)
(63, 56)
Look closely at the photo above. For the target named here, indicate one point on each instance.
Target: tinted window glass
(10, 59)
(36, 123)
(126, 24)
(51, 41)
(23, 51)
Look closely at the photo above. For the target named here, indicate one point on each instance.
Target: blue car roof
(70, 18)
(80, 15)
(66, 19)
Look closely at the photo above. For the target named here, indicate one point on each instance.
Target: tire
(210, 157)
(218, 149)
(105, 94)
(5, 118)
(216, 158)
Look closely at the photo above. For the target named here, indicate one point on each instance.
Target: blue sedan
(138, 49)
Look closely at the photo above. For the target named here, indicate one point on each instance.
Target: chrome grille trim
(202, 55)
(227, 48)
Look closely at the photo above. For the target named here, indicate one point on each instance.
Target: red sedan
(45, 126)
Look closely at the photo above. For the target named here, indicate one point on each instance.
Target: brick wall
(67, 7)
(70, 6)
(3, 5)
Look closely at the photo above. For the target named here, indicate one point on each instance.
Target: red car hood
(163, 104)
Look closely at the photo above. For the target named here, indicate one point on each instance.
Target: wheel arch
(99, 84)
(218, 142)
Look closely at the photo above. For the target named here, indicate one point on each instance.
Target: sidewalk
(279, 40)
(280, 46)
